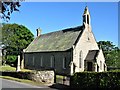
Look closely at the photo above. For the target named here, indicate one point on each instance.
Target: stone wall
(48, 61)
(43, 76)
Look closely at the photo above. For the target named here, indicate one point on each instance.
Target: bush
(95, 80)
(11, 59)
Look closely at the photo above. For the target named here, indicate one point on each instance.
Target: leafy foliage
(8, 8)
(106, 45)
(111, 53)
(15, 38)
(96, 80)
(113, 58)
(11, 58)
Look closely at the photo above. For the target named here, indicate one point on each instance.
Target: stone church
(66, 51)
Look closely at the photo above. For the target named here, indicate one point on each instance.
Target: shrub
(11, 59)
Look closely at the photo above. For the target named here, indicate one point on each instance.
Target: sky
(54, 16)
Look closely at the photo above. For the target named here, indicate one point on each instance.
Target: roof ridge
(64, 30)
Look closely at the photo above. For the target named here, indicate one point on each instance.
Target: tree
(113, 59)
(106, 45)
(8, 8)
(15, 38)
(111, 53)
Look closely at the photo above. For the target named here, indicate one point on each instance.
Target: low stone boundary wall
(43, 76)
(38, 76)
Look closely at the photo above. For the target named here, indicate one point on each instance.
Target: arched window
(87, 19)
(80, 59)
(84, 18)
(41, 61)
(64, 62)
(52, 61)
(100, 64)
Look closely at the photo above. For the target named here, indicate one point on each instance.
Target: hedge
(20, 75)
(95, 80)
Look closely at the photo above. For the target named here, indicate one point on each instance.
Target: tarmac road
(14, 84)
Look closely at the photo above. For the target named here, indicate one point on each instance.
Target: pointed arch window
(80, 59)
(64, 62)
(87, 19)
(84, 18)
(52, 61)
(100, 64)
(41, 61)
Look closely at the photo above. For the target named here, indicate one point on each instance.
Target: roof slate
(55, 41)
(92, 54)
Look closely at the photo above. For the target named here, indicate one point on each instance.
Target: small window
(64, 63)
(52, 61)
(88, 38)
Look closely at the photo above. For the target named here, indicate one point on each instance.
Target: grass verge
(24, 81)
(9, 68)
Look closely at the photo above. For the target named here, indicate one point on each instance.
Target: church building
(66, 51)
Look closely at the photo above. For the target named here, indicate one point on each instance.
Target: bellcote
(86, 16)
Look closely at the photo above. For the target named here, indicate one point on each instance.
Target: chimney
(38, 31)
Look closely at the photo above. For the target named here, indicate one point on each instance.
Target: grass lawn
(9, 68)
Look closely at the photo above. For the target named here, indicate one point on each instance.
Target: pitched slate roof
(55, 41)
(92, 54)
